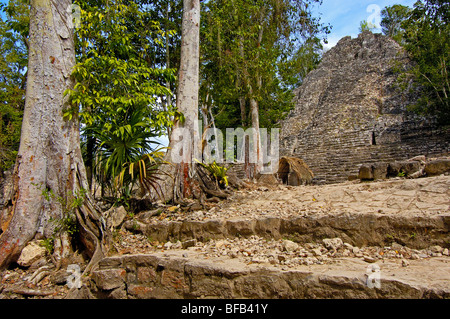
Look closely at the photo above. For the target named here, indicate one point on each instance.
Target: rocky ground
(403, 200)
(284, 253)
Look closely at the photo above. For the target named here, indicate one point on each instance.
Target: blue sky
(345, 16)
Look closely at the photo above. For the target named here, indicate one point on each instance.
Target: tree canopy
(13, 65)
(256, 50)
(424, 32)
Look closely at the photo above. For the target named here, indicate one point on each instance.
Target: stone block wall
(335, 157)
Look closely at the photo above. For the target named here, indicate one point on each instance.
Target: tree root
(208, 185)
(28, 292)
(95, 234)
(39, 274)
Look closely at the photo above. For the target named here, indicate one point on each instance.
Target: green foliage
(14, 53)
(392, 20)
(119, 87)
(114, 72)
(10, 123)
(219, 172)
(255, 50)
(426, 37)
(365, 26)
(121, 145)
(48, 244)
(69, 204)
(303, 61)
(145, 170)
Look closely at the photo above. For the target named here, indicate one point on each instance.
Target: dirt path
(426, 196)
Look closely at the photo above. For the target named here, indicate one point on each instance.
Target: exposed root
(39, 274)
(29, 292)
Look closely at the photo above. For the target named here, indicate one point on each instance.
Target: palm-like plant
(144, 170)
(125, 152)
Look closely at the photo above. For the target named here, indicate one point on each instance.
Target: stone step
(411, 212)
(332, 241)
(187, 274)
(358, 229)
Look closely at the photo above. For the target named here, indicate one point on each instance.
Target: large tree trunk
(254, 107)
(256, 147)
(49, 157)
(168, 97)
(184, 183)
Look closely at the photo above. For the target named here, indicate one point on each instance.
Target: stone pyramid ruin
(349, 112)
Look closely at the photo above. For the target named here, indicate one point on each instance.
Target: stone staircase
(368, 249)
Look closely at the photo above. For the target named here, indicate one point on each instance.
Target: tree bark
(49, 156)
(258, 165)
(242, 80)
(183, 184)
(168, 96)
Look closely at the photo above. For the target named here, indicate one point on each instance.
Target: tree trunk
(49, 156)
(168, 97)
(254, 105)
(243, 111)
(242, 80)
(183, 184)
(257, 154)
(253, 162)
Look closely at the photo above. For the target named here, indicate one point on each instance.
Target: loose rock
(370, 259)
(30, 254)
(289, 246)
(189, 243)
(334, 243)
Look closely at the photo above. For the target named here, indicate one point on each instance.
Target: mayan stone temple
(349, 112)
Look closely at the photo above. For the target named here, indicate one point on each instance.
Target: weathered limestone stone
(407, 168)
(178, 277)
(110, 279)
(269, 179)
(380, 171)
(30, 254)
(116, 216)
(333, 243)
(289, 245)
(365, 173)
(437, 167)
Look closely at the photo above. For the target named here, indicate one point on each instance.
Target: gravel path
(425, 196)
